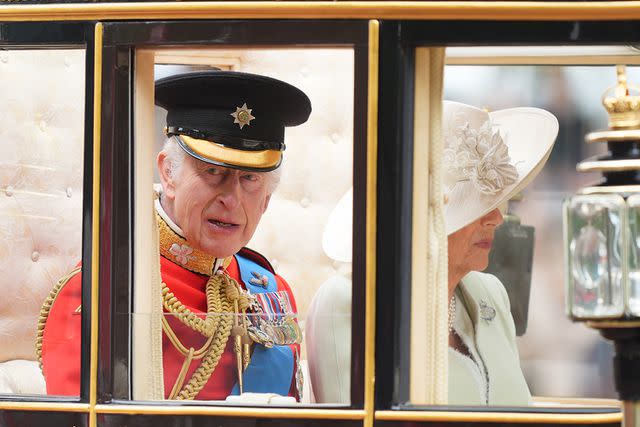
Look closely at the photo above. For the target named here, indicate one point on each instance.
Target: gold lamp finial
(623, 108)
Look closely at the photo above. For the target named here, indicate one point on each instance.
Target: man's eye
(250, 177)
(214, 171)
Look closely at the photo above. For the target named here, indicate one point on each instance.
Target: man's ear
(266, 203)
(166, 179)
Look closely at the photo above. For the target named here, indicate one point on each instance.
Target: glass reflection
(41, 138)
(633, 203)
(595, 262)
(488, 157)
(288, 236)
(559, 362)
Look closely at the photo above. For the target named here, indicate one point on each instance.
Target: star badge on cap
(242, 116)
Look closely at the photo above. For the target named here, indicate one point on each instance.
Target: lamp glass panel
(595, 224)
(633, 302)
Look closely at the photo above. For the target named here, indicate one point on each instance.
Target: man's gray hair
(176, 156)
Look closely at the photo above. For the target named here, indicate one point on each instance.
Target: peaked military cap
(230, 118)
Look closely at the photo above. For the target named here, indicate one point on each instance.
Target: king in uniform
(230, 322)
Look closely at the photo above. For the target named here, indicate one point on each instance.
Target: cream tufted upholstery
(41, 133)
(317, 164)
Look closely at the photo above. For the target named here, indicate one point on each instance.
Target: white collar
(157, 188)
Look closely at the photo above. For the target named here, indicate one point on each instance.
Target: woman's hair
(176, 156)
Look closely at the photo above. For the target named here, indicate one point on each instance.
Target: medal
(299, 376)
(273, 322)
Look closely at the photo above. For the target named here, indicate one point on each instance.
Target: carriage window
(527, 251)
(512, 136)
(250, 165)
(41, 133)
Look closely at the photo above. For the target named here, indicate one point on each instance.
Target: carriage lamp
(602, 242)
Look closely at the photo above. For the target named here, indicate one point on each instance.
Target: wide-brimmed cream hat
(337, 235)
(489, 157)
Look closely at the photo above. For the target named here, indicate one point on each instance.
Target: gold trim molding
(371, 221)
(601, 324)
(44, 406)
(235, 411)
(431, 10)
(613, 136)
(499, 417)
(95, 224)
(608, 165)
(611, 189)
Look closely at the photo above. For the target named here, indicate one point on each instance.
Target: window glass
(552, 358)
(300, 272)
(41, 133)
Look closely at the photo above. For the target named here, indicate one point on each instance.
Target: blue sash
(271, 369)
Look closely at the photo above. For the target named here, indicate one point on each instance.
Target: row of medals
(254, 326)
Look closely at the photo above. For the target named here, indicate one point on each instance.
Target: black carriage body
(392, 166)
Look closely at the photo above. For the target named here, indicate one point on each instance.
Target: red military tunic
(61, 334)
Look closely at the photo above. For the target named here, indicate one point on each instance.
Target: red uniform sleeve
(61, 340)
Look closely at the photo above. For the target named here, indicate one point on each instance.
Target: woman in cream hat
(488, 158)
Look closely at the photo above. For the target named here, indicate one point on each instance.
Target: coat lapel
(493, 339)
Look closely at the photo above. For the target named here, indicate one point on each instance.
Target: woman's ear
(166, 177)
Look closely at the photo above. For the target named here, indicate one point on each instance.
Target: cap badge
(242, 116)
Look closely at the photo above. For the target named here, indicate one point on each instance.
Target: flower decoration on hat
(242, 116)
(480, 156)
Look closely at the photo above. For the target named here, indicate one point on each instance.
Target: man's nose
(229, 191)
(493, 218)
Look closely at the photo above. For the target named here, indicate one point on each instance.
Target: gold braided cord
(182, 375)
(209, 324)
(234, 293)
(213, 354)
(173, 338)
(46, 309)
(222, 293)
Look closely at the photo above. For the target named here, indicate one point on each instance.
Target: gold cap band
(263, 159)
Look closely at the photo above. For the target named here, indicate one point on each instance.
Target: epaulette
(256, 257)
(46, 308)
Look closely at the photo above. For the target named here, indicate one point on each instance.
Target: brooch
(487, 312)
(182, 253)
(259, 279)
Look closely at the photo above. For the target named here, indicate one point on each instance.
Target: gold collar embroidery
(175, 248)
